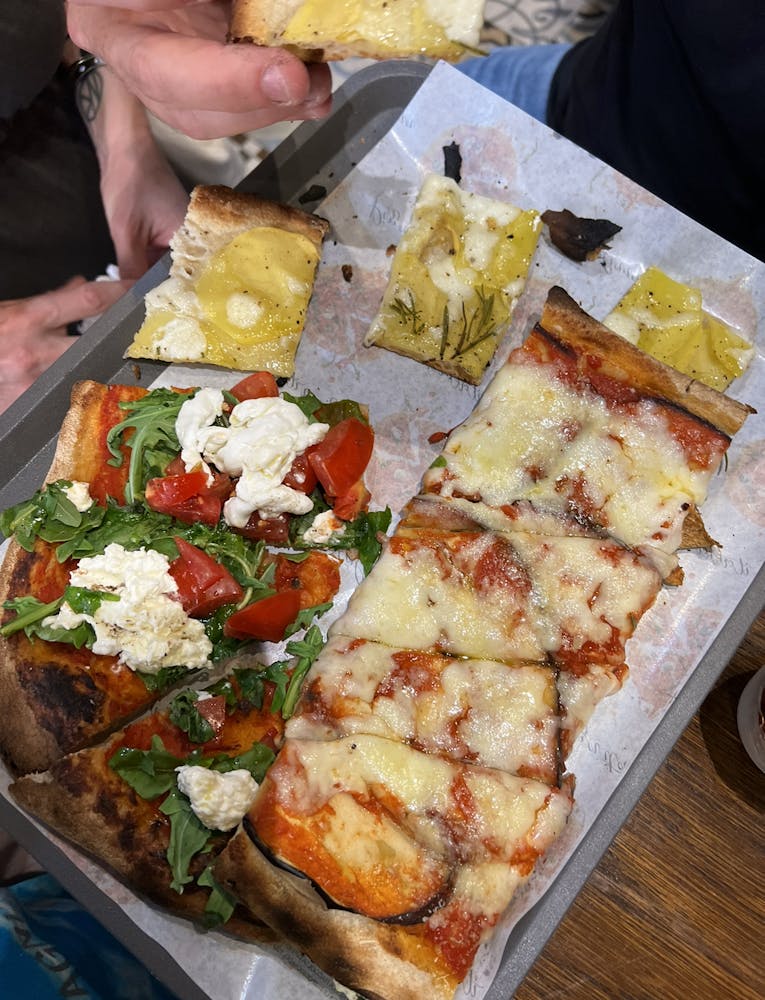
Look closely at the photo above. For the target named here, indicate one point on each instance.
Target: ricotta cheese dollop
(146, 629)
(79, 494)
(258, 448)
(218, 799)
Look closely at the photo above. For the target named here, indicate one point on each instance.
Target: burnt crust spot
(63, 702)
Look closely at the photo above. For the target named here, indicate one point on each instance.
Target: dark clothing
(52, 222)
(672, 94)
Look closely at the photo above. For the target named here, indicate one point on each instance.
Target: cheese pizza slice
(499, 715)
(407, 859)
(582, 431)
(513, 596)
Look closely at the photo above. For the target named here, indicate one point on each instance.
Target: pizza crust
(216, 214)
(80, 799)
(568, 323)
(351, 948)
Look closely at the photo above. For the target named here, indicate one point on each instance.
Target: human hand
(144, 204)
(172, 55)
(33, 331)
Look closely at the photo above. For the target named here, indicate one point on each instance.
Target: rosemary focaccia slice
(240, 281)
(457, 272)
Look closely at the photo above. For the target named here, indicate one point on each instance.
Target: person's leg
(520, 73)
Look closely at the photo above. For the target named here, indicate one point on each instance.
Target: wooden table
(676, 907)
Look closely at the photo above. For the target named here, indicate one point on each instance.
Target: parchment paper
(510, 156)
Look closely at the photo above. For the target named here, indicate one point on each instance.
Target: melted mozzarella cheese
(425, 597)
(532, 438)
(477, 710)
(497, 815)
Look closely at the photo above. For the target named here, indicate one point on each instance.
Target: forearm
(115, 118)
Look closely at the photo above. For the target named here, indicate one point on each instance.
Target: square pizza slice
(240, 281)
(457, 273)
(513, 596)
(499, 715)
(581, 430)
(386, 865)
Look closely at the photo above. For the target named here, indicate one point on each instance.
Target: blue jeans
(522, 74)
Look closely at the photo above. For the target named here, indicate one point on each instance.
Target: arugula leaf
(164, 678)
(220, 904)
(86, 602)
(305, 616)
(29, 612)
(327, 413)
(278, 674)
(256, 760)
(308, 403)
(288, 681)
(149, 772)
(251, 686)
(48, 514)
(340, 409)
(153, 443)
(360, 536)
(183, 712)
(188, 836)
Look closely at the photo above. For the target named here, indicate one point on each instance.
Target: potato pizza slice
(240, 282)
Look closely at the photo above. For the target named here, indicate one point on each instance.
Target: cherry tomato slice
(350, 504)
(203, 584)
(340, 459)
(185, 497)
(256, 386)
(266, 619)
(301, 476)
(271, 530)
(213, 711)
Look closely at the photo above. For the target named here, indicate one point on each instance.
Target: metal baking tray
(315, 157)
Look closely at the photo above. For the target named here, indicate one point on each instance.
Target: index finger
(72, 302)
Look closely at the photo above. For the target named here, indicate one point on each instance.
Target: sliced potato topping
(665, 318)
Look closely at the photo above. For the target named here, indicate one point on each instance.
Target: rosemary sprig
(409, 315)
(476, 328)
